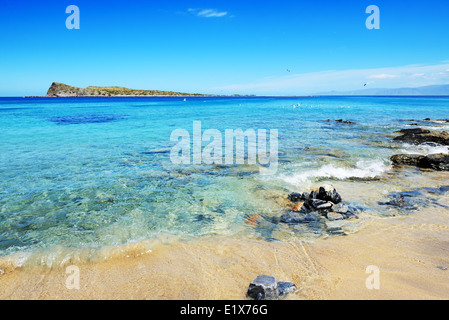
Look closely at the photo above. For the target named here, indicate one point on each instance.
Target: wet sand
(412, 253)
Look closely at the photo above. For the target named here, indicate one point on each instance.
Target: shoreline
(411, 252)
(407, 249)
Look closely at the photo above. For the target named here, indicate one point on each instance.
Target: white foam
(424, 149)
(364, 169)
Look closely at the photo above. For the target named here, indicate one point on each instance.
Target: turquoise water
(90, 172)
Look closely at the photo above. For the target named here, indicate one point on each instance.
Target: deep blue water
(89, 172)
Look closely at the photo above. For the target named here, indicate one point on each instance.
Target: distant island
(63, 90)
(435, 90)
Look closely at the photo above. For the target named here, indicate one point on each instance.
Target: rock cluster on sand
(266, 288)
(325, 202)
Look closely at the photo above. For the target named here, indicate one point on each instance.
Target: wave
(364, 169)
(424, 149)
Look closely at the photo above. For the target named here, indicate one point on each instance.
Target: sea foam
(364, 169)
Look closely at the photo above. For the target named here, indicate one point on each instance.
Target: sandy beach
(411, 253)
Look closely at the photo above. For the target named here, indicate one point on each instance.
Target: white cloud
(383, 76)
(344, 80)
(207, 13)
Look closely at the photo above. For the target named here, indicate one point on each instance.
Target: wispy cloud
(383, 76)
(343, 80)
(207, 13)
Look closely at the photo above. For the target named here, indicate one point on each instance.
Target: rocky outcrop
(438, 161)
(62, 90)
(419, 136)
(413, 131)
(407, 159)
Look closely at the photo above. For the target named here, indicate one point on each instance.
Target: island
(63, 90)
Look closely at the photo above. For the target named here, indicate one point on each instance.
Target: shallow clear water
(90, 172)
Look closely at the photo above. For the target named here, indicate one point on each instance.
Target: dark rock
(407, 159)
(313, 195)
(328, 193)
(335, 198)
(414, 130)
(263, 288)
(315, 203)
(345, 121)
(439, 161)
(286, 288)
(305, 196)
(419, 138)
(294, 197)
(327, 205)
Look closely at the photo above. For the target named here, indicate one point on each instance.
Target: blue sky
(243, 47)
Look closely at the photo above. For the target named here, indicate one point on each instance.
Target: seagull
(365, 84)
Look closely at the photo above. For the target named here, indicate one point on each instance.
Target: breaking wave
(364, 169)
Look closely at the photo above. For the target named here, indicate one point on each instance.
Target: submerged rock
(332, 216)
(345, 121)
(292, 217)
(341, 208)
(412, 200)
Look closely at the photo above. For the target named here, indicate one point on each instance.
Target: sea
(81, 174)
